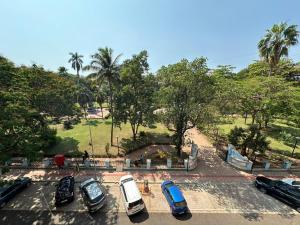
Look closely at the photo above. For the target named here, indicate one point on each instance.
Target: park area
(76, 140)
(281, 134)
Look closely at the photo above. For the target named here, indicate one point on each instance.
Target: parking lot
(238, 197)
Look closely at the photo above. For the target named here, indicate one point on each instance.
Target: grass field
(78, 138)
(273, 133)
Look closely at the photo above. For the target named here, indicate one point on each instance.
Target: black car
(9, 191)
(64, 190)
(279, 189)
(93, 194)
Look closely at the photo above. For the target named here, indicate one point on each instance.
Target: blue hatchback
(174, 197)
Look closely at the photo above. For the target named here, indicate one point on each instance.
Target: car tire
(298, 209)
(28, 184)
(262, 190)
(2, 204)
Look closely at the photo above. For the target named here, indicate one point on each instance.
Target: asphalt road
(14, 217)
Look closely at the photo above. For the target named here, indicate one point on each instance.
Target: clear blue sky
(224, 31)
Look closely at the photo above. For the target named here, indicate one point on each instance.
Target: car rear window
(169, 185)
(180, 204)
(138, 202)
(93, 190)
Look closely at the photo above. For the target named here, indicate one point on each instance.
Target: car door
(281, 189)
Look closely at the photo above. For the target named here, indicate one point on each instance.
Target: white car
(131, 195)
(291, 181)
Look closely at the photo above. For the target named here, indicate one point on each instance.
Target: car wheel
(28, 184)
(298, 209)
(263, 190)
(2, 204)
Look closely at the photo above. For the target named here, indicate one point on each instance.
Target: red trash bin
(59, 160)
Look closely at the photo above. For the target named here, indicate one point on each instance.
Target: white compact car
(131, 195)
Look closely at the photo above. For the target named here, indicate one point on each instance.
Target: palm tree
(106, 67)
(76, 63)
(275, 44)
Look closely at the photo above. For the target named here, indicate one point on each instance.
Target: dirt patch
(149, 151)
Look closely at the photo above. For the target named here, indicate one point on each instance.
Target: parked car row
(286, 190)
(94, 194)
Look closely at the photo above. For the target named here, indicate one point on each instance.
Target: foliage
(27, 96)
(184, 102)
(76, 62)
(275, 44)
(250, 138)
(105, 67)
(134, 101)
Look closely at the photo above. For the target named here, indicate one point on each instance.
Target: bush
(142, 134)
(68, 125)
(286, 137)
(5, 169)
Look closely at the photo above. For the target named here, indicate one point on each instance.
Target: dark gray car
(93, 194)
(10, 191)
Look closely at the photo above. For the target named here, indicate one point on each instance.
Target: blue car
(174, 197)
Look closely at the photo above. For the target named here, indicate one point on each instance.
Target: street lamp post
(90, 132)
(296, 141)
(118, 145)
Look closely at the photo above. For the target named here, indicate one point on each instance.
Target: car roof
(131, 190)
(176, 194)
(93, 189)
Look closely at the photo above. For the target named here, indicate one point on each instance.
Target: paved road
(10, 217)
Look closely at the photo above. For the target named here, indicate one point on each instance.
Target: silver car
(93, 194)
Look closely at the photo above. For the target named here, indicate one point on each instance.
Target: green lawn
(273, 133)
(77, 139)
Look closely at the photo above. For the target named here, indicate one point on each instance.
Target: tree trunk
(266, 123)
(112, 114)
(133, 131)
(246, 116)
(253, 119)
(101, 108)
(77, 85)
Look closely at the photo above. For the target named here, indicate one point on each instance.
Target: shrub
(68, 125)
(142, 134)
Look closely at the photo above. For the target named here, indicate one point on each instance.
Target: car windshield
(180, 204)
(126, 180)
(93, 190)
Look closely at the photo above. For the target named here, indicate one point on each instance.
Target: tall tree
(186, 92)
(106, 67)
(276, 43)
(134, 99)
(76, 63)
